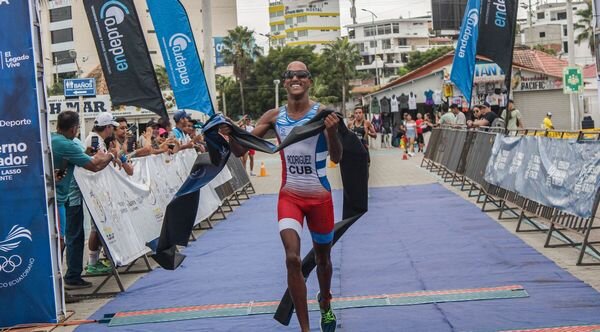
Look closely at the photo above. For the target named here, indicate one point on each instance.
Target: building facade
(548, 28)
(304, 22)
(68, 45)
(385, 45)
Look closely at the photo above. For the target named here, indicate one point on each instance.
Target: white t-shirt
(412, 102)
(461, 119)
(101, 145)
(437, 97)
(394, 104)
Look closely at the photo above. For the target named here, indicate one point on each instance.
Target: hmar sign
(85, 87)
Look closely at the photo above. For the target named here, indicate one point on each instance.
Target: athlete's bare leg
(295, 279)
(324, 272)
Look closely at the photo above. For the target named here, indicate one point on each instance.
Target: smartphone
(95, 143)
(131, 144)
(132, 129)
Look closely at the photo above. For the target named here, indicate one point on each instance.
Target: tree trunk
(242, 97)
(344, 97)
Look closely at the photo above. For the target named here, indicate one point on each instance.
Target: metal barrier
(462, 155)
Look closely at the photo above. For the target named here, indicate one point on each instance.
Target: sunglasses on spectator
(289, 74)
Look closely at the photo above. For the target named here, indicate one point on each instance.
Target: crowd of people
(111, 143)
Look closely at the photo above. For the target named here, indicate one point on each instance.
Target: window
(152, 52)
(61, 36)
(60, 14)
(566, 47)
(351, 34)
(542, 34)
(396, 27)
(301, 19)
(385, 29)
(369, 31)
(373, 44)
(386, 44)
(151, 31)
(401, 41)
(273, 28)
(561, 15)
(280, 27)
(303, 33)
(541, 15)
(62, 57)
(289, 21)
(361, 47)
(564, 30)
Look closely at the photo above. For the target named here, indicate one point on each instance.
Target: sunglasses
(289, 74)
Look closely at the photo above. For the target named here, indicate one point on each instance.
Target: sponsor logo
(470, 27)
(12, 265)
(500, 16)
(112, 13)
(13, 157)
(15, 123)
(12, 61)
(178, 43)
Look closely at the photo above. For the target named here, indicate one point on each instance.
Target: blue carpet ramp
(414, 238)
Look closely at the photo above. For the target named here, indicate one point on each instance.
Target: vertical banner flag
(180, 54)
(27, 279)
(497, 24)
(124, 55)
(219, 45)
(463, 65)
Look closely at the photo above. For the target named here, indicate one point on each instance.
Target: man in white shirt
(459, 117)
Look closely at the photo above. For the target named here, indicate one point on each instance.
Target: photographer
(66, 154)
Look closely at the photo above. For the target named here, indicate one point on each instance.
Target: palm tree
(585, 25)
(162, 77)
(240, 51)
(343, 58)
(224, 83)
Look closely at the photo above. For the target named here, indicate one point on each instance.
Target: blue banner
(27, 279)
(180, 54)
(463, 65)
(219, 58)
(563, 174)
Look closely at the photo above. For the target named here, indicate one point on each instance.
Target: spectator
(104, 127)
(411, 134)
(420, 125)
(448, 118)
(125, 141)
(486, 119)
(148, 138)
(459, 117)
(476, 113)
(67, 154)
(198, 140)
(547, 124)
(514, 120)
(246, 124)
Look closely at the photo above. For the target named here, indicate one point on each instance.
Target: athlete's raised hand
(331, 123)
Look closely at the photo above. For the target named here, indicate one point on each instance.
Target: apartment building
(304, 22)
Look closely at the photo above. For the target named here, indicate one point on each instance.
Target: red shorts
(292, 209)
(251, 152)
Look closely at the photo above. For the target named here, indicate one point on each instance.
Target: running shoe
(98, 268)
(328, 319)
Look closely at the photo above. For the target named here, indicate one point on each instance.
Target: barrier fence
(128, 211)
(548, 181)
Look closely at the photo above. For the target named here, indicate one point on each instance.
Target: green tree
(342, 57)
(224, 84)
(584, 24)
(162, 77)
(240, 51)
(417, 59)
(544, 49)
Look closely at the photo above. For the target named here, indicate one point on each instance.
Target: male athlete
(305, 191)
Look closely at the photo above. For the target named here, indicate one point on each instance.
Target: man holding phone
(66, 154)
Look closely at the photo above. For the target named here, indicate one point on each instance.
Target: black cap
(453, 106)
(486, 104)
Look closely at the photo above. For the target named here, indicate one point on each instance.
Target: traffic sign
(572, 80)
(80, 87)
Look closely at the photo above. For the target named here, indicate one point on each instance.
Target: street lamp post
(373, 16)
(276, 92)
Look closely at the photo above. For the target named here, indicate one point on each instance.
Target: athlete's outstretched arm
(333, 141)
